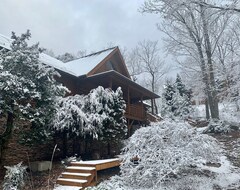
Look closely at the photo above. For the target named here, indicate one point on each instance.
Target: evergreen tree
(168, 94)
(176, 99)
(99, 115)
(114, 126)
(180, 86)
(27, 88)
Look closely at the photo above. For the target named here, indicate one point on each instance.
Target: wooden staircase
(78, 175)
(84, 173)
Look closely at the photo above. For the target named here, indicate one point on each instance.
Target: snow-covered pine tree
(176, 99)
(180, 86)
(99, 115)
(167, 101)
(114, 126)
(27, 88)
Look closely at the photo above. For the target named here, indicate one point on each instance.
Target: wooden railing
(135, 111)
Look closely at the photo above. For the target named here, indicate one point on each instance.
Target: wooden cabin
(107, 68)
(104, 68)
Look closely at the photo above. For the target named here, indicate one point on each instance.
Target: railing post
(142, 112)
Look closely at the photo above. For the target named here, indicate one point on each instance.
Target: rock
(40, 166)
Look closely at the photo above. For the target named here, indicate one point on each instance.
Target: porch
(135, 112)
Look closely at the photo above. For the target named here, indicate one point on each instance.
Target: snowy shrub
(99, 114)
(163, 151)
(219, 127)
(14, 178)
(115, 183)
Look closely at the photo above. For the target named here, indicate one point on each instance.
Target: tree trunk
(212, 93)
(207, 109)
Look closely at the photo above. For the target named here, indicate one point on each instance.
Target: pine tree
(168, 94)
(180, 86)
(176, 99)
(27, 88)
(114, 126)
(98, 115)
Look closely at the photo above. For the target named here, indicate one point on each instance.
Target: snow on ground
(227, 175)
(225, 167)
(224, 177)
(228, 112)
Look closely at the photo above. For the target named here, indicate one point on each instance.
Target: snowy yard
(172, 159)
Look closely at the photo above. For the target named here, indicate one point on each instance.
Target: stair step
(81, 168)
(71, 182)
(73, 175)
(77, 174)
(78, 169)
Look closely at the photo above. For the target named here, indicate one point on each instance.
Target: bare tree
(145, 60)
(194, 29)
(134, 64)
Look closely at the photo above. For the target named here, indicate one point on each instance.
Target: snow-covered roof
(53, 62)
(85, 64)
(76, 67)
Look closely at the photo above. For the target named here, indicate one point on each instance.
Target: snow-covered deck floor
(99, 164)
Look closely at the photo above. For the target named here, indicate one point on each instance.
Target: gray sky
(72, 25)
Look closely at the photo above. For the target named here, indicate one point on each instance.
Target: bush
(15, 176)
(220, 127)
(164, 150)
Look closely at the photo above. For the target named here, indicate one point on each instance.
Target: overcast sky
(72, 25)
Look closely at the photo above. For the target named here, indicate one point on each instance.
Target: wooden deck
(99, 164)
(84, 173)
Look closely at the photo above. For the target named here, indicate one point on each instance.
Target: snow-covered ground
(204, 177)
(228, 112)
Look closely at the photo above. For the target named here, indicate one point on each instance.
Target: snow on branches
(163, 151)
(15, 177)
(99, 114)
(27, 86)
(176, 101)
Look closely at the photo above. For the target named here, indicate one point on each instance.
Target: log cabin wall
(69, 81)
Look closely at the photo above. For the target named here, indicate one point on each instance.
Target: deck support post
(142, 107)
(128, 107)
(110, 83)
(152, 106)
(128, 97)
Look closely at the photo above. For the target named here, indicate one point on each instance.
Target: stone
(39, 166)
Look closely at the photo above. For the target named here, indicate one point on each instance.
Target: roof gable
(113, 61)
(109, 59)
(84, 65)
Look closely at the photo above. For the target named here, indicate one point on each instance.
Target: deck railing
(135, 111)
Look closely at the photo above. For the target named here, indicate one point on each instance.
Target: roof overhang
(139, 91)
